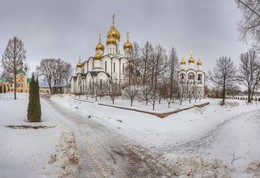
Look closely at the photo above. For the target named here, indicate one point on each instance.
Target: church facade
(107, 64)
(191, 78)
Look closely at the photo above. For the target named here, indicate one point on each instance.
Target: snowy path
(95, 143)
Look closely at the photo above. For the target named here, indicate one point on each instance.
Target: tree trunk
(15, 86)
(249, 95)
(131, 102)
(168, 104)
(153, 105)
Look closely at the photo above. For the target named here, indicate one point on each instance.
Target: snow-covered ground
(229, 133)
(24, 152)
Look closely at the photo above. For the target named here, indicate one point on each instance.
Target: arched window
(123, 68)
(191, 76)
(199, 77)
(105, 65)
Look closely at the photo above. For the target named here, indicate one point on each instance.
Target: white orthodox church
(191, 78)
(107, 63)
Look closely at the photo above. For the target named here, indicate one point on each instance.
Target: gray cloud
(68, 28)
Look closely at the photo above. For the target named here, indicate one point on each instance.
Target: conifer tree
(4, 89)
(34, 107)
(0, 88)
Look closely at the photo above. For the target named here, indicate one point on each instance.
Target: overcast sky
(68, 29)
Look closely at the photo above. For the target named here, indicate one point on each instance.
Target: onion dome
(199, 62)
(128, 45)
(111, 40)
(191, 59)
(100, 46)
(79, 64)
(97, 56)
(183, 61)
(113, 31)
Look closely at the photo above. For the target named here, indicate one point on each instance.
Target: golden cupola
(111, 40)
(199, 62)
(128, 45)
(191, 59)
(100, 46)
(113, 32)
(79, 64)
(183, 62)
(97, 56)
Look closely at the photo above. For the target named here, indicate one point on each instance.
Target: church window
(191, 76)
(114, 67)
(106, 66)
(199, 77)
(123, 68)
(182, 76)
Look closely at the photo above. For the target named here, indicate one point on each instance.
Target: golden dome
(128, 45)
(183, 61)
(199, 62)
(191, 60)
(97, 56)
(79, 64)
(111, 40)
(100, 46)
(113, 32)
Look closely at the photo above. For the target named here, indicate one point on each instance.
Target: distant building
(23, 83)
(105, 65)
(191, 78)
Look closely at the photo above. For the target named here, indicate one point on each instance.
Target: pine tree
(34, 107)
(4, 89)
(0, 88)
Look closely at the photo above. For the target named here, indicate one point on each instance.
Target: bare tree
(249, 72)
(113, 90)
(131, 92)
(157, 70)
(54, 71)
(173, 68)
(146, 60)
(249, 26)
(223, 75)
(13, 60)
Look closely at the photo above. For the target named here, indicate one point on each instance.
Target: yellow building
(23, 83)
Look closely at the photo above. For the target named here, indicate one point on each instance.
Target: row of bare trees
(225, 74)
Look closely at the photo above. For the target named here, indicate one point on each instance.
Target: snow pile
(197, 167)
(66, 156)
(145, 164)
(254, 167)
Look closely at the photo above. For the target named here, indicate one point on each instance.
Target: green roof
(29, 80)
(21, 71)
(3, 79)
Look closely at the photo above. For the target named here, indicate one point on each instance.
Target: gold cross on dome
(99, 36)
(113, 17)
(127, 35)
(191, 51)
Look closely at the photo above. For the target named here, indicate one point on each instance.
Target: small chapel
(191, 77)
(107, 62)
